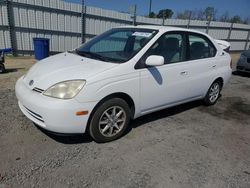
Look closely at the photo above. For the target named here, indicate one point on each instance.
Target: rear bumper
(52, 114)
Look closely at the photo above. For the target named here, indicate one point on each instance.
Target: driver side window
(171, 46)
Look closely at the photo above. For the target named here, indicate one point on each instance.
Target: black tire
(209, 100)
(96, 130)
(2, 68)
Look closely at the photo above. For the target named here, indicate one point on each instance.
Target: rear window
(200, 47)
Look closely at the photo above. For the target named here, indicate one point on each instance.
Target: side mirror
(155, 60)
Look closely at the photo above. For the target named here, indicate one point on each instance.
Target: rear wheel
(110, 120)
(213, 93)
(2, 68)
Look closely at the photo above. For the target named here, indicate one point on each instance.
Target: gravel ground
(189, 146)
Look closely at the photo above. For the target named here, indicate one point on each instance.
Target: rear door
(202, 61)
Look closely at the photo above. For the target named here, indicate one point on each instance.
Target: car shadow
(85, 138)
(163, 114)
(66, 138)
(11, 70)
(156, 74)
(242, 74)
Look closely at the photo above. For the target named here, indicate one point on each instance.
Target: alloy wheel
(112, 121)
(214, 92)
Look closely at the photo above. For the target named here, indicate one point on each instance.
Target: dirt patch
(189, 146)
(231, 108)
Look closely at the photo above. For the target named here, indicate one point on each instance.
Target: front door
(170, 83)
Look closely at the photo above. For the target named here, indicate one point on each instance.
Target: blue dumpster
(41, 48)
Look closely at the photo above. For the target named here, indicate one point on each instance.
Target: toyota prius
(120, 75)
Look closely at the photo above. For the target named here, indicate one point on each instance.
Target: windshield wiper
(91, 55)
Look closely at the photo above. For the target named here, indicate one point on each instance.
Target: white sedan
(120, 75)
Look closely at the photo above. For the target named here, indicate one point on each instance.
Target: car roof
(163, 28)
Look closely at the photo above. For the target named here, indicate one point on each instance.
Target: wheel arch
(127, 98)
(221, 80)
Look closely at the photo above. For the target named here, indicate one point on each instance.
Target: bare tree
(185, 15)
(246, 20)
(210, 13)
(200, 14)
(225, 17)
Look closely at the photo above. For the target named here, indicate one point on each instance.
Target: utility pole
(150, 7)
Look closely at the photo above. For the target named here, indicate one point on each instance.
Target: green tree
(236, 19)
(152, 15)
(166, 13)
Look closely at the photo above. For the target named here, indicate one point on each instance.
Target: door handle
(184, 73)
(213, 66)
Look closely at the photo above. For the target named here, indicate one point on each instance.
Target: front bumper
(52, 114)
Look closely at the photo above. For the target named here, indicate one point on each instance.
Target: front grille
(248, 60)
(35, 115)
(38, 90)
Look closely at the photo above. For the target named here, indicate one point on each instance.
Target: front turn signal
(82, 113)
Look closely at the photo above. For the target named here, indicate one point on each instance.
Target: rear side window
(200, 47)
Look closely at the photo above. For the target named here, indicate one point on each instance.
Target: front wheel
(213, 93)
(110, 120)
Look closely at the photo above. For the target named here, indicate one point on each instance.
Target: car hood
(62, 67)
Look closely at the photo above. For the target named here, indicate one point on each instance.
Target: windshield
(117, 45)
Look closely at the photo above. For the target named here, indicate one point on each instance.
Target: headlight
(65, 90)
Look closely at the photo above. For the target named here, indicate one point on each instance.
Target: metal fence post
(11, 22)
(83, 28)
(189, 19)
(188, 24)
(134, 17)
(230, 31)
(132, 12)
(247, 40)
(208, 24)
